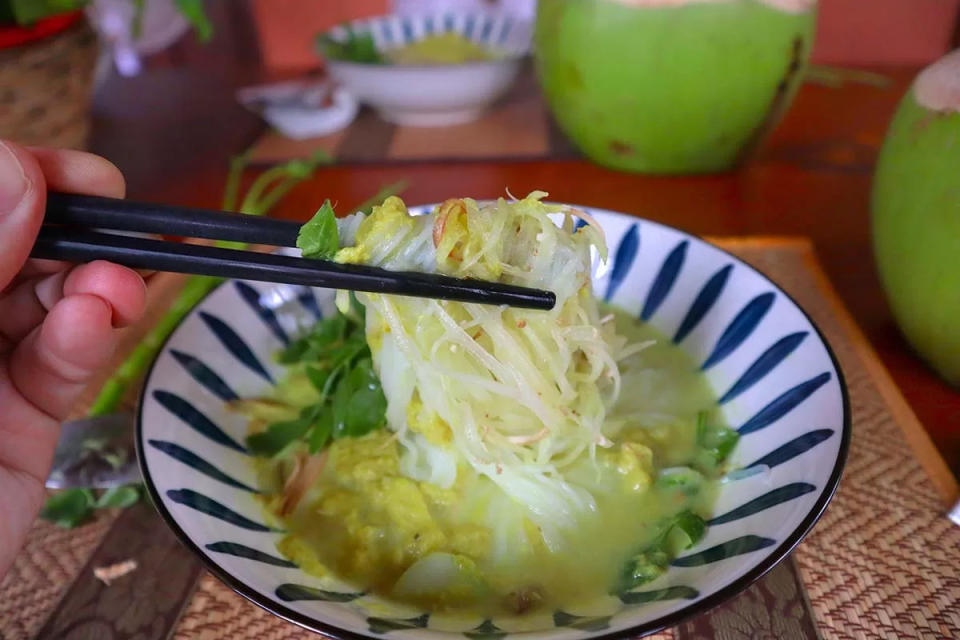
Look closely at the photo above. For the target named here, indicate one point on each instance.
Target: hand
(57, 324)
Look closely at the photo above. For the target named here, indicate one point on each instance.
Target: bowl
(425, 95)
(776, 378)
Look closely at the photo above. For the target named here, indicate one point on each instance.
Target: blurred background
(167, 97)
(723, 118)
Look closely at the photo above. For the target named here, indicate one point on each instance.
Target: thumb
(23, 196)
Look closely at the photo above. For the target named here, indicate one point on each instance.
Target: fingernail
(13, 182)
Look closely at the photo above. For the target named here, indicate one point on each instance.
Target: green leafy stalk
(136, 29)
(283, 187)
(231, 189)
(113, 391)
(385, 192)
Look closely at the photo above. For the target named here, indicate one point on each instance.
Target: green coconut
(916, 216)
(671, 86)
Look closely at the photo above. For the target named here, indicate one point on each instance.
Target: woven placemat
(46, 89)
(882, 562)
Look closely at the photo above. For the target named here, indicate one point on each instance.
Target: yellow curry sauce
(366, 523)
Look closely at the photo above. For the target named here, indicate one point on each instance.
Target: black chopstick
(94, 212)
(81, 245)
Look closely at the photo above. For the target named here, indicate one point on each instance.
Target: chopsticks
(94, 212)
(68, 233)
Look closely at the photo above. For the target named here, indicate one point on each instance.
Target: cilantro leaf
(319, 238)
(328, 331)
(338, 364)
(295, 352)
(319, 377)
(321, 432)
(311, 346)
(278, 435)
(359, 405)
(345, 353)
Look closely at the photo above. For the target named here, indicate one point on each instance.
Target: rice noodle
(524, 393)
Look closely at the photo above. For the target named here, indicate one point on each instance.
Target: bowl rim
(778, 555)
(428, 68)
(510, 57)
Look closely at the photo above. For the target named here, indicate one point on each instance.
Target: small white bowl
(302, 108)
(433, 95)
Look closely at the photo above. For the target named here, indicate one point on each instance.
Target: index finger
(79, 172)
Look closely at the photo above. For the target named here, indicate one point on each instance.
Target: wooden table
(811, 178)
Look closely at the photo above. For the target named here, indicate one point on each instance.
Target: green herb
(346, 352)
(319, 237)
(677, 534)
(328, 332)
(322, 431)
(278, 435)
(687, 530)
(715, 444)
(73, 507)
(69, 508)
(357, 47)
(359, 405)
(320, 378)
(118, 498)
(644, 567)
(686, 480)
(350, 401)
(385, 192)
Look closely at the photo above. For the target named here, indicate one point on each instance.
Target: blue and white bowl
(776, 379)
(433, 95)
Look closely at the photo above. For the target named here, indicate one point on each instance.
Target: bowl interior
(503, 33)
(777, 381)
